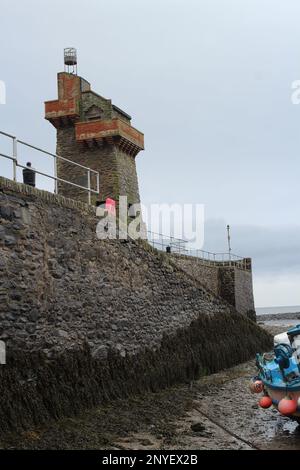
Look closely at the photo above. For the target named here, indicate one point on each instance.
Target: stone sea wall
(232, 282)
(87, 320)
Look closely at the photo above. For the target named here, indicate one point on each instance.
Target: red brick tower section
(93, 132)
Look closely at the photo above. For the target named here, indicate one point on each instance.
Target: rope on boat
(216, 423)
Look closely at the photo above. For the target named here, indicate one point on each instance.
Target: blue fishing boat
(278, 377)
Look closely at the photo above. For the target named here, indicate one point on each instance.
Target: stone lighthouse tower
(93, 132)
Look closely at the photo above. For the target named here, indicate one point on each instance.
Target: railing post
(55, 175)
(98, 183)
(89, 185)
(15, 157)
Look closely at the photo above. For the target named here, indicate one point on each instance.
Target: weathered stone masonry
(86, 320)
(232, 280)
(95, 133)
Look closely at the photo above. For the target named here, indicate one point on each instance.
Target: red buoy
(256, 386)
(265, 402)
(287, 406)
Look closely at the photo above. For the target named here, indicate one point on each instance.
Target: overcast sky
(208, 82)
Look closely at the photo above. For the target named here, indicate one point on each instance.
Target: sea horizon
(278, 309)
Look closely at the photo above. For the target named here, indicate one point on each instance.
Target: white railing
(15, 164)
(179, 246)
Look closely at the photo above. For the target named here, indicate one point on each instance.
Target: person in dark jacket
(29, 175)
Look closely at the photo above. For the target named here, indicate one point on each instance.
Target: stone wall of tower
(103, 160)
(106, 142)
(118, 176)
(127, 177)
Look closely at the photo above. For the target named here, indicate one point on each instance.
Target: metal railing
(179, 246)
(163, 243)
(14, 158)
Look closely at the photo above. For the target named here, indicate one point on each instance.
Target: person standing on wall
(29, 175)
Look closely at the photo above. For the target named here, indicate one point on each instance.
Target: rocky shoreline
(278, 316)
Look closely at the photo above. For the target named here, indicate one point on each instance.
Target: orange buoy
(265, 402)
(257, 386)
(287, 406)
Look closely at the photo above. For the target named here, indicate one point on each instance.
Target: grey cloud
(274, 249)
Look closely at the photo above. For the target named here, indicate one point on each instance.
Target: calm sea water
(264, 310)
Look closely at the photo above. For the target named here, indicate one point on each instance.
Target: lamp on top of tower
(70, 60)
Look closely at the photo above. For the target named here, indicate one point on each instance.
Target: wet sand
(215, 412)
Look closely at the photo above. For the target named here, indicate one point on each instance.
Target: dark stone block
(10, 240)
(6, 212)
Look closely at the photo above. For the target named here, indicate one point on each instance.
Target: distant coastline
(278, 313)
(277, 310)
(279, 316)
